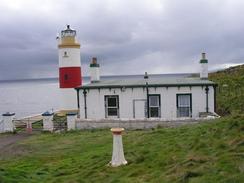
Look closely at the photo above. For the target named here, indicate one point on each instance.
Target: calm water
(26, 98)
(29, 97)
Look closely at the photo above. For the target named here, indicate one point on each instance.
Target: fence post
(47, 121)
(7, 122)
(29, 126)
(71, 117)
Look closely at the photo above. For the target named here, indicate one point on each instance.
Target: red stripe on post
(69, 77)
(117, 133)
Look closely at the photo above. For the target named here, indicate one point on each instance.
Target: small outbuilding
(168, 98)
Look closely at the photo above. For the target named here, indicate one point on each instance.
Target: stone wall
(132, 124)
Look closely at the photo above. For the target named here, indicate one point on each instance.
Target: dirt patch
(9, 145)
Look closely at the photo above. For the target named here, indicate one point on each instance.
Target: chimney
(145, 75)
(94, 71)
(204, 67)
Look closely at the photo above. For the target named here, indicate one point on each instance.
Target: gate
(34, 124)
(59, 122)
(28, 125)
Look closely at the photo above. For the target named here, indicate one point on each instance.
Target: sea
(30, 97)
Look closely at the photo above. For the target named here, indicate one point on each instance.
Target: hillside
(230, 91)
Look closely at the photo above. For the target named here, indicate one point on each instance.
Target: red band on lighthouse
(70, 77)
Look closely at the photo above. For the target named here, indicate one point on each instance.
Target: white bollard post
(71, 117)
(7, 122)
(118, 157)
(48, 121)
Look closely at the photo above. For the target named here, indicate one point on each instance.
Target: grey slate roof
(152, 82)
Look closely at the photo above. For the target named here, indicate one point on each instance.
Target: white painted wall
(71, 122)
(96, 107)
(95, 74)
(68, 99)
(204, 70)
(6, 124)
(71, 60)
(48, 123)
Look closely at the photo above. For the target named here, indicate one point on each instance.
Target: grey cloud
(166, 34)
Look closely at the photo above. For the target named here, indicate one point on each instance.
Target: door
(139, 108)
(112, 106)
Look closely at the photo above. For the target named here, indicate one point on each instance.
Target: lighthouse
(69, 68)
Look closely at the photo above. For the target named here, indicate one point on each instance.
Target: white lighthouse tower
(69, 68)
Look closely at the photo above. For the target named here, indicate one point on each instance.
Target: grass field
(208, 152)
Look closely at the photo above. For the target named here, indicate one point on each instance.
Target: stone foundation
(132, 124)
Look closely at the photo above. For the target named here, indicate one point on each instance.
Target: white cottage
(148, 97)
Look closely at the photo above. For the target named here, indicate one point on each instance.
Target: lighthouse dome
(68, 39)
(68, 32)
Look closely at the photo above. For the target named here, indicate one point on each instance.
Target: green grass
(209, 152)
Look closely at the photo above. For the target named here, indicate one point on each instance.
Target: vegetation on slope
(230, 91)
(209, 152)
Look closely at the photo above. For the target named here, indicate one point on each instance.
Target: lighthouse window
(65, 54)
(66, 77)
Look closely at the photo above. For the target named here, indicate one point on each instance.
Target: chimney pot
(145, 75)
(94, 60)
(94, 70)
(204, 67)
(203, 55)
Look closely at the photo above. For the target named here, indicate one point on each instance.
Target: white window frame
(189, 107)
(106, 97)
(157, 106)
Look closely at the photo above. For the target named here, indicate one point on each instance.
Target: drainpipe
(215, 99)
(78, 101)
(85, 107)
(207, 92)
(146, 77)
(147, 100)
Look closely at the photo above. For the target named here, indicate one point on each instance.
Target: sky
(126, 36)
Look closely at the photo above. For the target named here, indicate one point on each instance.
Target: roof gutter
(149, 85)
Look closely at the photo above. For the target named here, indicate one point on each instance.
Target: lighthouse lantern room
(69, 68)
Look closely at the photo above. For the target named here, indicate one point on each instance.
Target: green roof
(152, 82)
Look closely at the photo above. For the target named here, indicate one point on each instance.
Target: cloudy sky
(127, 36)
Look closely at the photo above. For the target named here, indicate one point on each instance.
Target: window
(65, 54)
(66, 77)
(154, 106)
(184, 106)
(112, 106)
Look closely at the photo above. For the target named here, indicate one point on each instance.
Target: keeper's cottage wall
(132, 101)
